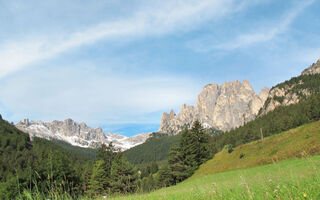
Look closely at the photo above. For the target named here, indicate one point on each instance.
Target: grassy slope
(289, 179)
(293, 143)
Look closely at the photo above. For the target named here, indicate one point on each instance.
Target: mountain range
(224, 107)
(233, 104)
(79, 134)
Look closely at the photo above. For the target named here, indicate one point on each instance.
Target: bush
(242, 155)
(229, 148)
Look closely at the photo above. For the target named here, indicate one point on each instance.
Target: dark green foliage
(242, 155)
(107, 154)
(185, 158)
(279, 99)
(148, 169)
(165, 176)
(40, 164)
(124, 176)
(228, 147)
(86, 153)
(100, 179)
(178, 169)
(154, 149)
(148, 184)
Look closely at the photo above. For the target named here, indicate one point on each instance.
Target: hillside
(24, 163)
(154, 149)
(290, 179)
(298, 142)
(227, 176)
(291, 91)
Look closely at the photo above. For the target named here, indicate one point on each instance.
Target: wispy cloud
(166, 17)
(263, 35)
(80, 93)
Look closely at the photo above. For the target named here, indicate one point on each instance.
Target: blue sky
(119, 64)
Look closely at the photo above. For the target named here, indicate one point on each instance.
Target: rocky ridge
(221, 107)
(313, 69)
(291, 92)
(79, 134)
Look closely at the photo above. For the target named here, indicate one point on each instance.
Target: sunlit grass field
(290, 179)
(227, 176)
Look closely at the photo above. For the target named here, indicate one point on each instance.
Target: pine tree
(201, 143)
(100, 181)
(124, 176)
(107, 153)
(177, 168)
(164, 178)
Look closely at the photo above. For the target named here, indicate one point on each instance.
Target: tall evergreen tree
(164, 178)
(201, 143)
(124, 176)
(178, 169)
(100, 181)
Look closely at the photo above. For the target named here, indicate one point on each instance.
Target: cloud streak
(165, 18)
(263, 35)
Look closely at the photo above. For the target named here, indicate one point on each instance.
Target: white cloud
(163, 18)
(263, 35)
(94, 98)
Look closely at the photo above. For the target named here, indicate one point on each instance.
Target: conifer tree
(124, 176)
(164, 178)
(177, 167)
(201, 143)
(100, 181)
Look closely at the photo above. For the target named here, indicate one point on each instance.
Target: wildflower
(305, 195)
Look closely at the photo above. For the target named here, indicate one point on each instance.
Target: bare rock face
(78, 134)
(222, 107)
(313, 69)
(290, 92)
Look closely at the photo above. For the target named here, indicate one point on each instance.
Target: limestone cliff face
(290, 92)
(222, 107)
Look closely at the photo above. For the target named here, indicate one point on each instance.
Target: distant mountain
(221, 107)
(292, 91)
(78, 134)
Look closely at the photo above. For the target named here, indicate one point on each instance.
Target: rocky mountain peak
(313, 69)
(264, 93)
(78, 134)
(223, 107)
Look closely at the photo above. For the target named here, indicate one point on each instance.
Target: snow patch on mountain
(79, 134)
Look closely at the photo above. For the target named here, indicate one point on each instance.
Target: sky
(120, 64)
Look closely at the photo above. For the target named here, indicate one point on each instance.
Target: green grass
(283, 166)
(295, 143)
(289, 179)
(227, 176)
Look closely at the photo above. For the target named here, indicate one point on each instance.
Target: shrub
(228, 147)
(242, 155)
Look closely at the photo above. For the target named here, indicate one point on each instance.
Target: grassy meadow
(290, 179)
(281, 166)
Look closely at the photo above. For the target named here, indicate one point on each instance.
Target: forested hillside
(24, 164)
(154, 149)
